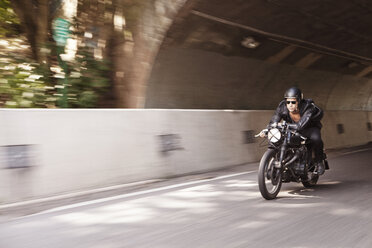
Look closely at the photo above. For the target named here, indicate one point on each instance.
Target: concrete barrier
(49, 152)
(346, 128)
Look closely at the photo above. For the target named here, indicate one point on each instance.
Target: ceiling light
(250, 42)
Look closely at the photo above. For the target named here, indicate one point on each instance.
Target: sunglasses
(293, 102)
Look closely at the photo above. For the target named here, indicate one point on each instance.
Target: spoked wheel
(311, 179)
(269, 177)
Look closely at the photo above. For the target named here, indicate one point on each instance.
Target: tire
(269, 188)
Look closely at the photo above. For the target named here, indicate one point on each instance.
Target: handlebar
(284, 124)
(291, 126)
(263, 131)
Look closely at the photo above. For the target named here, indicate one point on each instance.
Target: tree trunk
(34, 20)
(42, 29)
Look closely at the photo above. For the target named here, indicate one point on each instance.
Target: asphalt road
(219, 209)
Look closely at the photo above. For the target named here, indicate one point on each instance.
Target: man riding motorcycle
(305, 116)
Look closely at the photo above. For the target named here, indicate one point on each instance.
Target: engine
(299, 168)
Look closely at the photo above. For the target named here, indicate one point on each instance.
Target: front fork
(278, 165)
(283, 150)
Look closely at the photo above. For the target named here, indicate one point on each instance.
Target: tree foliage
(23, 84)
(9, 22)
(88, 80)
(26, 84)
(35, 76)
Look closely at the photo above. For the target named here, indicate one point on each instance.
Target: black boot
(319, 168)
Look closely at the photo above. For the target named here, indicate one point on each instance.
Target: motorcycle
(288, 159)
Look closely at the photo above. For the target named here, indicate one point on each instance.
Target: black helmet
(293, 92)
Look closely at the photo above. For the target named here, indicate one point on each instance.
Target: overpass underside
(241, 54)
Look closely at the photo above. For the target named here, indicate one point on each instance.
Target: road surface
(219, 209)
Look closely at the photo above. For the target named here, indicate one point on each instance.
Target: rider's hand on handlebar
(262, 134)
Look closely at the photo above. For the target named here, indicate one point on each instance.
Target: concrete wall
(354, 124)
(188, 78)
(72, 150)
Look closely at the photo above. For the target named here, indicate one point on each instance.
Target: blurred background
(52, 58)
(194, 54)
(79, 53)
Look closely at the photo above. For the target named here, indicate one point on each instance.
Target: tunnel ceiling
(331, 35)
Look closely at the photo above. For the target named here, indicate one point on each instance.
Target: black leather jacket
(309, 112)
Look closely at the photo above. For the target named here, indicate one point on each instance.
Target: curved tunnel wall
(197, 79)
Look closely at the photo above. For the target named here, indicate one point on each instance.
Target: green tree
(81, 82)
(89, 80)
(9, 22)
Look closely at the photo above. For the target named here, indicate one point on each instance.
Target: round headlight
(274, 135)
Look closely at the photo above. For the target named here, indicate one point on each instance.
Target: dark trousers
(316, 143)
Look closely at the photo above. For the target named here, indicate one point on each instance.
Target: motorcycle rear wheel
(268, 190)
(310, 180)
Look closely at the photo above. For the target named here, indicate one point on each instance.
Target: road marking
(76, 194)
(361, 150)
(123, 196)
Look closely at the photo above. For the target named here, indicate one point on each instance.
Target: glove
(262, 134)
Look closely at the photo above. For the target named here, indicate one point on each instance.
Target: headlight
(274, 135)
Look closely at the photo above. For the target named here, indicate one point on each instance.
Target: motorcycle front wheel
(269, 178)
